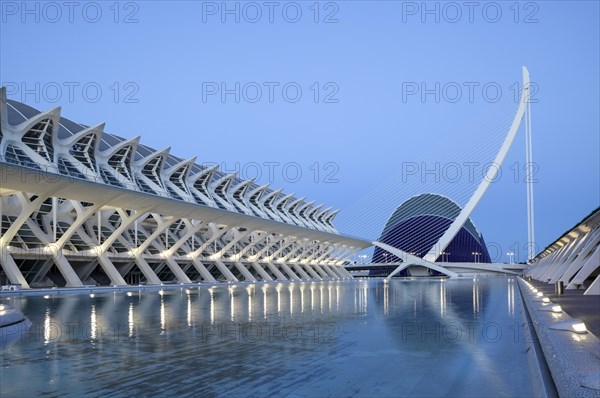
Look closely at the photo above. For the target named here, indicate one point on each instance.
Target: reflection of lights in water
(442, 300)
(46, 296)
(330, 297)
(476, 299)
(278, 288)
(131, 320)
(189, 310)
(163, 321)
(47, 331)
(302, 289)
(161, 292)
(264, 302)
(337, 297)
(511, 297)
(291, 300)
(129, 294)
(415, 307)
(93, 324)
(232, 305)
(92, 295)
(365, 298)
(212, 307)
(321, 298)
(386, 298)
(312, 298)
(249, 306)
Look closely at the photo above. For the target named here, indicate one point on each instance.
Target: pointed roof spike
(181, 164)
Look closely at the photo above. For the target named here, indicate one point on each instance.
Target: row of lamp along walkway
(570, 350)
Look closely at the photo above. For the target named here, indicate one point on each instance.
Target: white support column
(109, 268)
(590, 265)
(578, 263)
(237, 237)
(312, 272)
(225, 271)
(321, 271)
(339, 271)
(191, 230)
(594, 288)
(287, 257)
(216, 234)
(6, 260)
(288, 271)
(261, 271)
(177, 271)
(271, 243)
(10, 268)
(203, 271)
(560, 258)
(300, 271)
(347, 273)
(575, 252)
(143, 265)
(325, 254)
(27, 209)
(250, 245)
(529, 176)
(41, 274)
(276, 271)
(247, 274)
(327, 269)
(289, 241)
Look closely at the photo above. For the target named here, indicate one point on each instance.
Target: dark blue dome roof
(418, 223)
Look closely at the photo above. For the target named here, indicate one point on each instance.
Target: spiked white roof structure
(81, 206)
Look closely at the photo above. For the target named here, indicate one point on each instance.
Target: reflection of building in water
(437, 297)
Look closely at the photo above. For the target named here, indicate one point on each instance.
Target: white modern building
(79, 206)
(573, 260)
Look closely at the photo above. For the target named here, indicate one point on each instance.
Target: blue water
(351, 338)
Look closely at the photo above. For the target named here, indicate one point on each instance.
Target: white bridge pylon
(429, 259)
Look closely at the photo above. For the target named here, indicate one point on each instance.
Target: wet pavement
(574, 303)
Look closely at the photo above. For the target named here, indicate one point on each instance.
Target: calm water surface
(352, 338)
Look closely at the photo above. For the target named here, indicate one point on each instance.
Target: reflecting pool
(429, 337)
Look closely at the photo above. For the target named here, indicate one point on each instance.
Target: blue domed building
(418, 223)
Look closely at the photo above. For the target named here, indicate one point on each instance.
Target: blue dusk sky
(355, 104)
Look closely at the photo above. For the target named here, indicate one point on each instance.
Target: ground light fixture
(571, 325)
(550, 307)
